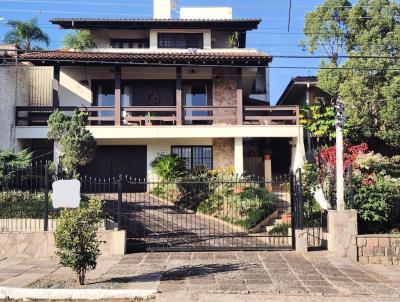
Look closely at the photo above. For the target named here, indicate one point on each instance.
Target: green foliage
(326, 27)
(368, 87)
(319, 120)
(234, 40)
(76, 238)
(24, 34)
(22, 204)
(310, 180)
(169, 167)
(80, 40)
(11, 161)
(281, 229)
(58, 124)
(77, 143)
(375, 203)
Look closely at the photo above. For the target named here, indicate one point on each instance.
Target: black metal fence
(198, 214)
(208, 213)
(25, 203)
(312, 219)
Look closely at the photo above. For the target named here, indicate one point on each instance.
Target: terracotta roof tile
(242, 58)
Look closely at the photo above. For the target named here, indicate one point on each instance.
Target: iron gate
(216, 214)
(306, 217)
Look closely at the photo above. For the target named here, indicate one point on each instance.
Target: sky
(272, 37)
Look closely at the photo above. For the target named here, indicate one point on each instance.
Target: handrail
(253, 115)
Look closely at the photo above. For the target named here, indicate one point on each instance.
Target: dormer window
(129, 43)
(180, 40)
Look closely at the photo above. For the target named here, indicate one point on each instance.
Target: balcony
(158, 116)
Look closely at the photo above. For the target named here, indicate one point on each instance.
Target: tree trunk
(81, 277)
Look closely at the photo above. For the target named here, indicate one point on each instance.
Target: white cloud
(2, 19)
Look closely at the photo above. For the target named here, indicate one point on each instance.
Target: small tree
(319, 120)
(76, 238)
(77, 143)
(80, 40)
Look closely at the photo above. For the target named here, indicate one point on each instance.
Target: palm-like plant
(24, 34)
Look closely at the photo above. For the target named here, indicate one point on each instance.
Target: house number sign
(66, 193)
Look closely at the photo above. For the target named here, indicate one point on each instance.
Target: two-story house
(185, 85)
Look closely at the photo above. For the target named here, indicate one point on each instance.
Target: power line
(40, 11)
(150, 5)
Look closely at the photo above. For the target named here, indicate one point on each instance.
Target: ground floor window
(195, 156)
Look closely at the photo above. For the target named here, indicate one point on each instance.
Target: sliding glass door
(196, 94)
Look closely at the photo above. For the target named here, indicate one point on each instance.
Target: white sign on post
(66, 193)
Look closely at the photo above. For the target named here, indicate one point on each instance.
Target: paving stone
(314, 283)
(324, 290)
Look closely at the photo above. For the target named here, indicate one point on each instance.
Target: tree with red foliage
(328, 155)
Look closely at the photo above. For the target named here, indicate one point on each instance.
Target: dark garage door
(111, 161)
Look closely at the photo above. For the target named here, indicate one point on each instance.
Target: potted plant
(147, 120)
(286, 216)
(234, 40)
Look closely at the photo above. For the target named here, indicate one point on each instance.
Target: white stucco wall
(14, 91)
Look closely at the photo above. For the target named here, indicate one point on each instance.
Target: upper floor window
(180, 40)
(129, 43)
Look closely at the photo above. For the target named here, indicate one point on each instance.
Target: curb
(73, 294)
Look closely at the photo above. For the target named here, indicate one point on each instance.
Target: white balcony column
(238, 155)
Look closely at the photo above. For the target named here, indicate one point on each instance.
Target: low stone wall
(41, 244)
(378, 249)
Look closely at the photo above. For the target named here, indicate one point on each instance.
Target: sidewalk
(188, 274)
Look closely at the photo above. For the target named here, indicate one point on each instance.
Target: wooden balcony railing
(166, 115)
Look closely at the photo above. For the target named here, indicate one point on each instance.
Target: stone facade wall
(41, 244)
(378, 249)
(14, 91)
(224, 94)
(223, 152)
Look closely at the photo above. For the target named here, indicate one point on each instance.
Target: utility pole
(339, 156)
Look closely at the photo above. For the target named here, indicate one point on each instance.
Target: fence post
(46, 198)
(301, 201)
(293, 209)
(120, 202)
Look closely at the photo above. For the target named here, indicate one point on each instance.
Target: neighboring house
(162, 85)
(300, 91)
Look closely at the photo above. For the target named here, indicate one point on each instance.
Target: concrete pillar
(268, 172)
(342, 232)
(301, 240)
(238, 155)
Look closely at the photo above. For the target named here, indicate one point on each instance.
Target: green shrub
(375, 203)
(21, 204)
(281, 229)
(252, 205)
(76, 238)
(169, 167)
